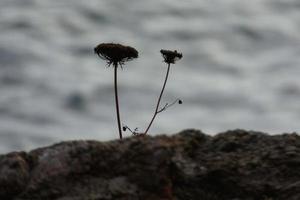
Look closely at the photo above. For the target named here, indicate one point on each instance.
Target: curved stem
(117, 100)
(158, 102)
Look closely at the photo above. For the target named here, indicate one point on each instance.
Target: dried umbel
(170, 57)
(115, 53)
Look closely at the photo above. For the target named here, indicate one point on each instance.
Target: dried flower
(170, 57)
(115, 53)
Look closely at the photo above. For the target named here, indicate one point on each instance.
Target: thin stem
(158, 102)
(168, 105)
(117, 100)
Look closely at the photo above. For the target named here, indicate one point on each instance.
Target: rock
(186, 166)
(14, 174)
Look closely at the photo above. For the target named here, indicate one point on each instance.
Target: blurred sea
(240, 67)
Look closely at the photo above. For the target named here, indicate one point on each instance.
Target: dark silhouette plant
(170, 57)
(116, 55)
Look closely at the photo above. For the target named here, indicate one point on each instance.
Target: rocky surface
(235, 165)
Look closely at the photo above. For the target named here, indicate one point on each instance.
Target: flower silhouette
(170, 57)
(115, 53)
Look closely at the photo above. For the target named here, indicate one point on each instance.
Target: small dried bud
(115, 53)
(179, 101)
(170, 56)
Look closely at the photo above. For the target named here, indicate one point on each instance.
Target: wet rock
(189, 165)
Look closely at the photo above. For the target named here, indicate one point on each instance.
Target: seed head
(170, 57)
(115, 53)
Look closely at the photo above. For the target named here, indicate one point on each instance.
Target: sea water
(240, 68)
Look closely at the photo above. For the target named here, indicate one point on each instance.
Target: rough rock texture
(235, 165)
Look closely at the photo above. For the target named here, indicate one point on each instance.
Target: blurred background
(240, 67)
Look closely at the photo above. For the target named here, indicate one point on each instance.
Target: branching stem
(167, 105)
(159, 99)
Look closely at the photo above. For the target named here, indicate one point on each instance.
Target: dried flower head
(170, 57)
(115, 53)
